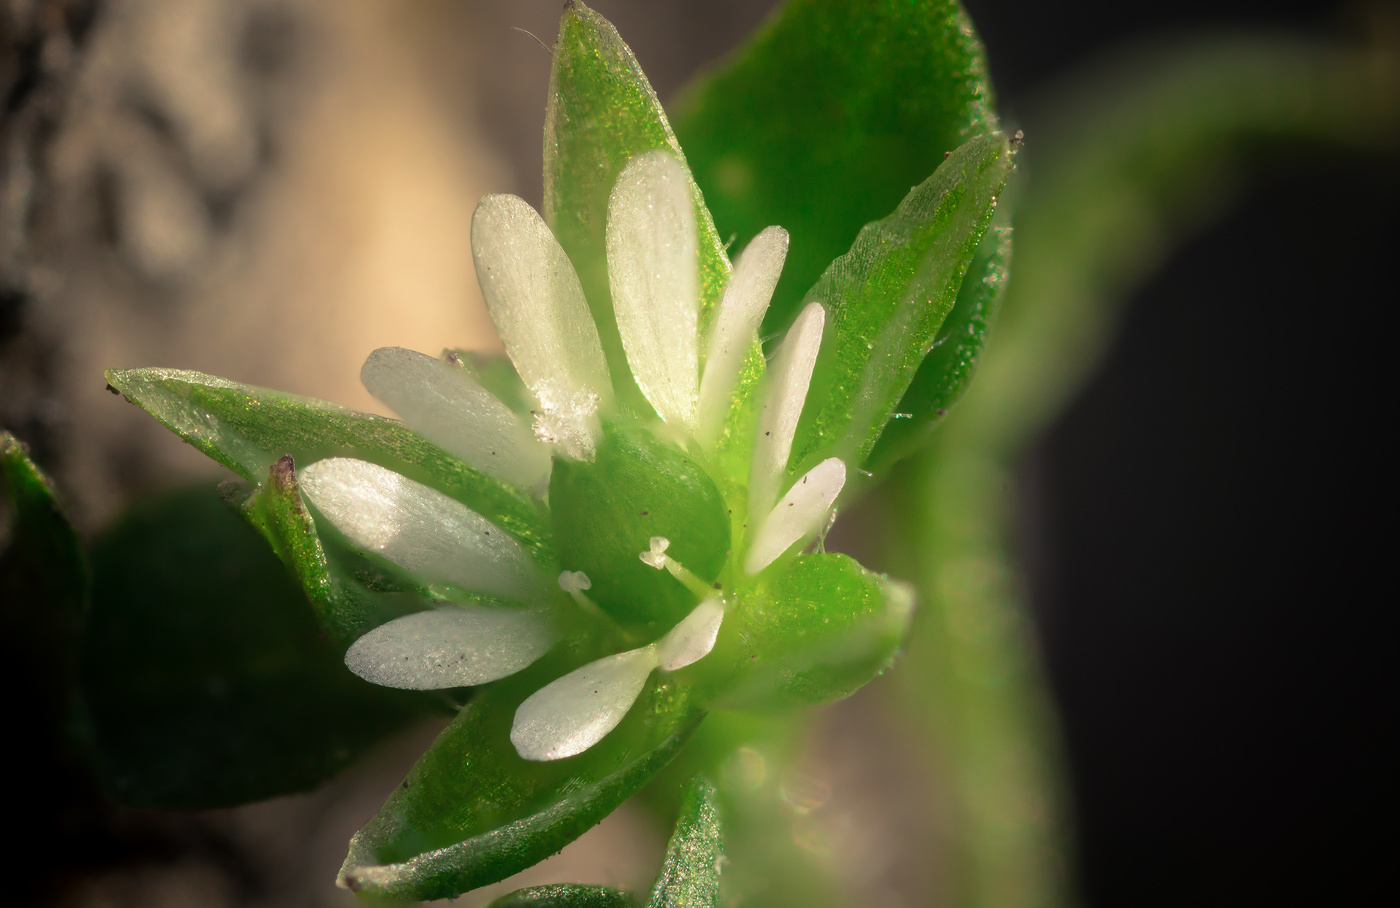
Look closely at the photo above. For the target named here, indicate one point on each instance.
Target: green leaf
(247, 429)
(816, 632)
(827, 117)
(565, 895)
(602, 113)
(45, 560)
(690, 876)
(947, 370)
(336, 590)
(887, 298)
(207, 680)
(472, 812)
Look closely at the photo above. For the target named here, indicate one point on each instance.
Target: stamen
(574, 583)
(658, 559)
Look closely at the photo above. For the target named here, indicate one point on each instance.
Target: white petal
(740, 313)
(799, 515)
(693, 638)
(653, 272)
(447, 406)
(788, 381)
(536, 301)
(419, 528)
(573, 713)
(453, 646)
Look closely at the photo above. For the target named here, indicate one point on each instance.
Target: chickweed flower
(574, 435)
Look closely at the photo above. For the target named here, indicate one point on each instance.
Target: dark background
(1204, 524)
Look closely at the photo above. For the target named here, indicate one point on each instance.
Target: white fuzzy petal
(693, 638)
(453, 646)
(536, 301)
(799, 515)
(788, 380)
(653, 272)
(419, 528)
(736, 324)
(573, 713)
(447, 406)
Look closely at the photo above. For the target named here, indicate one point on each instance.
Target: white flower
(535, 298)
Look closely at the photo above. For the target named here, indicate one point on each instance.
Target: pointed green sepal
(247, 429)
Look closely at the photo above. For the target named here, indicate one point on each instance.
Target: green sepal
(472, 812)
(336, 591)
(887, 298)
(826, 117)
(247, 429)
(565, 895)
(606, 512)
(818, 631)
(602, 112)
(695, 855)
(949, 367)
(207, 680)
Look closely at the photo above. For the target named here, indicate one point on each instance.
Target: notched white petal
(453, 646)
(788, 381)
(736, 325)
(419, 528)
(447, 406)
(799, 515)
(654, 277)
(538, 305)
(572, 713)
(693, 638)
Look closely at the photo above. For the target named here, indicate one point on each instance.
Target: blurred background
(269, 189)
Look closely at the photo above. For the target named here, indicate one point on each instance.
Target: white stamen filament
(452, 646)
(419, 528)
(788, 381)
(656, 557)
(654, 277)
(736, 323)
(799, 515)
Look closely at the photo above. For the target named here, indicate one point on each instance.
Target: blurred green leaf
(206, 678)
(472, 812)
(247, 429)
(45, 569)
(815, 632)
(947, 370)
(695, 855)
(823, 121)
(602, 113)
(565, 895)
(887, 298)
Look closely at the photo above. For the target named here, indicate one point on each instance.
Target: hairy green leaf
(565, 895)
(827, 117)
(695, 855)
(247, 429)
(472, 812)
(207, 680)
(887, 298)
